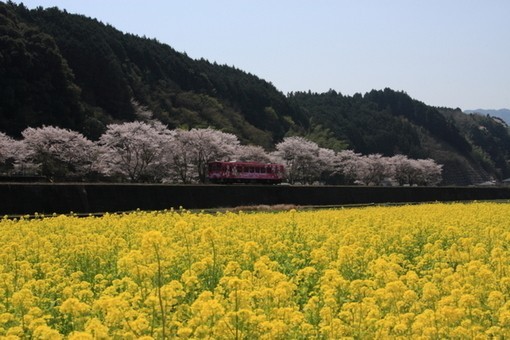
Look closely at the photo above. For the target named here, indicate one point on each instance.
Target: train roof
(244, 163)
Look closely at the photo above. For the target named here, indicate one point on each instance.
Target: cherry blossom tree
(207, 145)
(416, 171)
(295, 153)
(251, 153)
(57, 152)
(347, 164)
(180, 154)
(374, 169)
(304, 160)
(135, 150)
(326, 163)
(8, 152)
(5, 147)
(404, 169)
(429, 172)
(148, 151)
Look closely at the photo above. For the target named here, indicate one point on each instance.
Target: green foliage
(489, 136)
(472, 148)
(36, 84)
(324, 137)
(399, 104)
(360, 123)
(111, 68)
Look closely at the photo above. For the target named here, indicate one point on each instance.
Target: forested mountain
(472, 148)
(36, 84)
(75, 72)
(95, 72)
(489, 137)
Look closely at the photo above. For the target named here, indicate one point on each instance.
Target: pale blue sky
(453, 53)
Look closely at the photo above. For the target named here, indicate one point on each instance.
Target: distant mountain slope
(501, 113)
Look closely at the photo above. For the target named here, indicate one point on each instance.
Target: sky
(447, 53)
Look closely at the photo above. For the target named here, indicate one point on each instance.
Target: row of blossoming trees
(150, 152)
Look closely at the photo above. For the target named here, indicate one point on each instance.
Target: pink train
(245, 172)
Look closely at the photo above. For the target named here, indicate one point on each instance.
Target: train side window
(263, 170)
(252, 169)
(257, 170)
(239, 168)
(269, 170)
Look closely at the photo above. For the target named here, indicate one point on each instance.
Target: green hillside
(472, 148)
(75, 72)
(104, 70)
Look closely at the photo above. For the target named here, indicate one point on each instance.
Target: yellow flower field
(429, 271)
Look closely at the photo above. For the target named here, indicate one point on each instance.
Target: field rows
(429, 271)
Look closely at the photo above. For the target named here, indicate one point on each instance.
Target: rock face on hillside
(75, 72)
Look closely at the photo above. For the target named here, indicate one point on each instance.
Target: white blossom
(135, 150)
(206, 145)
(251, 153)
(57, 152)
(304, 161)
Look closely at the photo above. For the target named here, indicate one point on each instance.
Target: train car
(245, 172)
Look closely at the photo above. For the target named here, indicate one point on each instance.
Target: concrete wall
(47, 198)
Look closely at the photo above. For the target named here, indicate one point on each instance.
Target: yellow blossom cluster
(428, 271)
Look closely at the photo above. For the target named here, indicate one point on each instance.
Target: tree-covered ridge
(369, 122)
(112, 69)
(36, 84)
(489, 137)
(472, 148)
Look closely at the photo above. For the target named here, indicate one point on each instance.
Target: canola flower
(430, 271)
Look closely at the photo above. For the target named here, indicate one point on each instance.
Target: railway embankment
(83, 198)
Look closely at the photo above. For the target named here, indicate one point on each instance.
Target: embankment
(47, 198)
